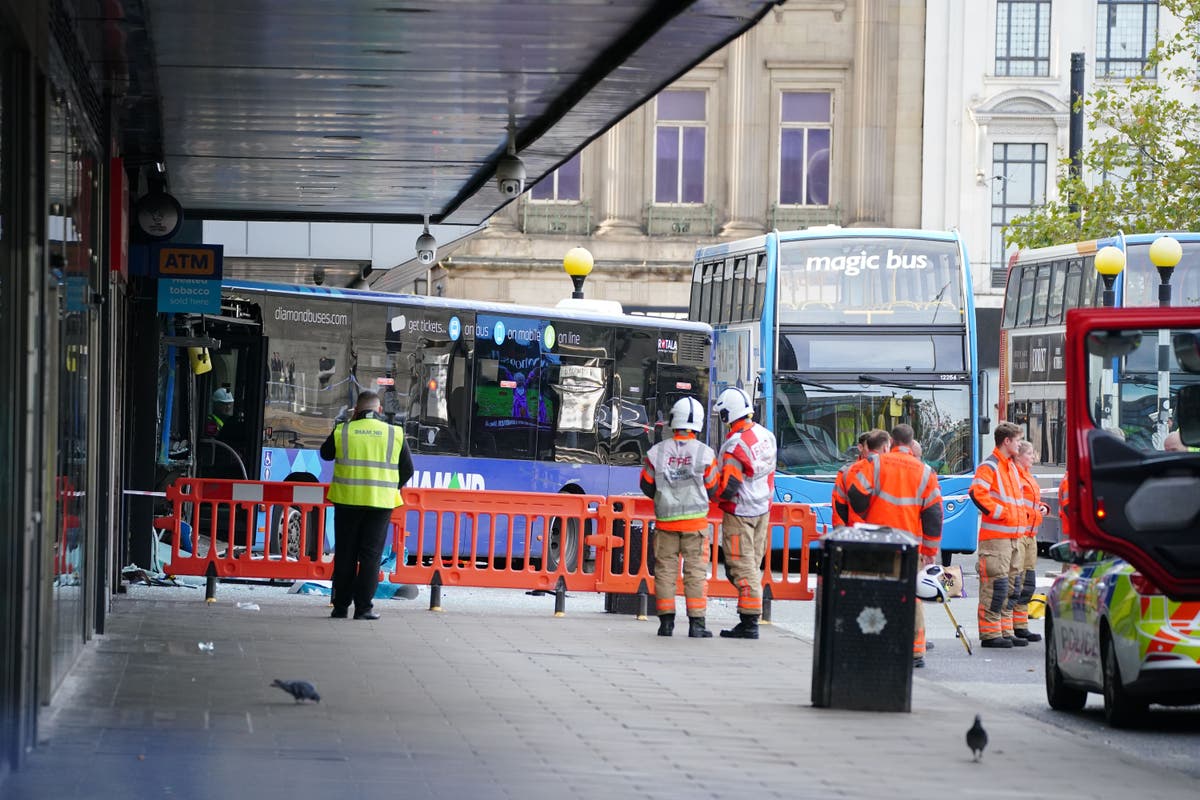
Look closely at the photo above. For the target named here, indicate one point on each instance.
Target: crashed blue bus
(836, 331)
(490, 396)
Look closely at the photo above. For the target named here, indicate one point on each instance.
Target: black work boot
(996, 641)
(1027, 635)
(746, 629)
(666, 624)
(696, 629)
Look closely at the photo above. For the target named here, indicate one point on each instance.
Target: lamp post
(1109, 263)
(1165, 253)
(578, 264)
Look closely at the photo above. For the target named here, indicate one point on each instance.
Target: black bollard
(560, 597)
(643, 593)
(435, 592)
(210, 583)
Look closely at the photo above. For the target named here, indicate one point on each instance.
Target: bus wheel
(286, 537)
(563, 547)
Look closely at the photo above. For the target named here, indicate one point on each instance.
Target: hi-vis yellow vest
(367, 459)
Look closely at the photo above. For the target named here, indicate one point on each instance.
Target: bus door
(629, 427)
(230, 439)
(581, 387)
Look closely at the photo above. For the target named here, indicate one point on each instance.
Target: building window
(561, 185)
(1126, 31)
(805, 135)
(679, 144)
(1018, 186)
(1022, 38)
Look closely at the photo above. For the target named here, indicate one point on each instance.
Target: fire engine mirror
(1187, 412)
(1187, 350)
(1113, 344)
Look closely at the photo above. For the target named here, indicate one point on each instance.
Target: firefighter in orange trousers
(996, 491)
(840, 512)
(1024, 573)
(680, 475)
(745, 487)
(898, 490)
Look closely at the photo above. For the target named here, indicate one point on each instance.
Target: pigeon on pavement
(301, 690)
(977, 739)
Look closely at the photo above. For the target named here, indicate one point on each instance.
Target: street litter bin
(866, 600)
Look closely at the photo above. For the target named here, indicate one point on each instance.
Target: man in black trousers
(371, 463)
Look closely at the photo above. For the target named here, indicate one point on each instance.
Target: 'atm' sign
(190, 262)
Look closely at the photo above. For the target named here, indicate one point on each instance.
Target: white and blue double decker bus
(1043, 285)
(837, 331)
(490, 396)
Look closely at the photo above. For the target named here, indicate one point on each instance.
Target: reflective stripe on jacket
(682, 470)
(366, 464)
(996, 490)
(748, 458)
(840, 498)
(901, 488)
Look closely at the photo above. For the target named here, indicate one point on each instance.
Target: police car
(1110, 630)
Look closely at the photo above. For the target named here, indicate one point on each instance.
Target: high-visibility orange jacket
(996, 491)
(897, 490)
(1032, 492)
(842, 513)
(1064, 500)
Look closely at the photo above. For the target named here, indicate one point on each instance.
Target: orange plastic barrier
(626, 521)
(247, 529)
(518, 540)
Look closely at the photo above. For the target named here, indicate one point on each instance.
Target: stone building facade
(813, 117)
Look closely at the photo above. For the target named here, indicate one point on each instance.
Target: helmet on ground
(687, 414)
(733, 404)
(930, 584)
(222, 395)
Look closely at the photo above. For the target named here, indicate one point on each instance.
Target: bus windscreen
(863, 280)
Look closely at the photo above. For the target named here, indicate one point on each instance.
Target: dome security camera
(426, 248)
(510, 176)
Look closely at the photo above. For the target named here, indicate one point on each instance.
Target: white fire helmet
(931, 584)
(687, 415)
(222, 395)
(733, 404)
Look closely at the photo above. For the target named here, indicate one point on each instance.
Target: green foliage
(1141, 154)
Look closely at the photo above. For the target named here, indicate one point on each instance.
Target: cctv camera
(510, 176)
(426, 248)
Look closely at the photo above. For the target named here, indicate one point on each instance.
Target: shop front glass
(71, 225)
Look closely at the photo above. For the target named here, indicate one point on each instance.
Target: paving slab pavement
(497, 698)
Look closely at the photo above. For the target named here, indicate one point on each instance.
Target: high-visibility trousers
(745, 542)
(919, 635)
(669, 546)
(994, 566)
(1026, 582)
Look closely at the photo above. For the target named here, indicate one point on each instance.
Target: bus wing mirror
(1187, 412)
(1113, 344)
(1187, 350)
